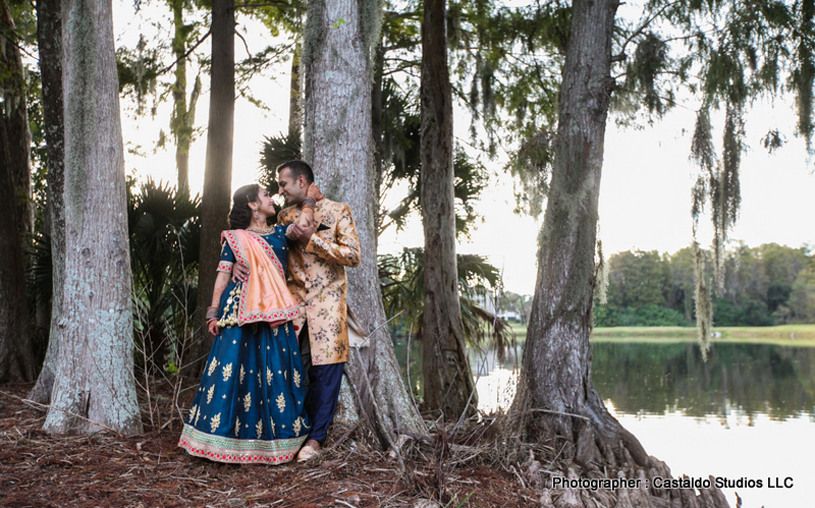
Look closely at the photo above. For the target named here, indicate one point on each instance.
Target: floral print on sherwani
(317, 277)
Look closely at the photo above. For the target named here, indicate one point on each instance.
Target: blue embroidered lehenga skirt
(250, 405)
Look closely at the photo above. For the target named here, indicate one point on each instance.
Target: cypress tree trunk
(94, 323)
(218, 172)
(448, 381)
(339, 144)
(15, 116)
(183, 119)
(16, 357)
(376, 114)
(49, 38)
(295, 97)
(556, 397)
(557, 354)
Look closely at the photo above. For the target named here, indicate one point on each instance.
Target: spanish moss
(804, 76)
(532, 166)
(601, 275)
(718, 184)
(704, 305)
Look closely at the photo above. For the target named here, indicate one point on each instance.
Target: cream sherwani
(317, 277)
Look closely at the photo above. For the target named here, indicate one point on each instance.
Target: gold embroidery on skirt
(212, 366)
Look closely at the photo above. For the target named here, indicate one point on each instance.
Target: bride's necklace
(261, 231)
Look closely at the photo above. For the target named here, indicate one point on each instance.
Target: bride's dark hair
(240, 216)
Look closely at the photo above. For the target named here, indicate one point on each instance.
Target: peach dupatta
(264, 297)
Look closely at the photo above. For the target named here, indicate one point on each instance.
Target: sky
(645, 188)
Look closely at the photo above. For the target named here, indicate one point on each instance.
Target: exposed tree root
(599, 450)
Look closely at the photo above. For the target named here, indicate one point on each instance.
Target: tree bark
(16, 355)
(218, 171)
(94, 386)
(448, 380)
(557, 354)
(376, 115)
(338, 142)
(49, 37)
(556, 398)
(183, 119)
(15, 115)
(295, 97)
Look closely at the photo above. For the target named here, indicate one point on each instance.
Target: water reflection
(657, 378)
(495, 377)
(740, 414)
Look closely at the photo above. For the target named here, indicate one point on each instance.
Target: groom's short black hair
(298, 169)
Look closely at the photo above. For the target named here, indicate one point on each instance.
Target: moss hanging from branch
(718, 184)
(704, 305)
(726, 196)
(532, 165)
(601, 273)
(803, 77)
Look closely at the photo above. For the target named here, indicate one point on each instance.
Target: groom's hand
(302, 233)
(240, 273)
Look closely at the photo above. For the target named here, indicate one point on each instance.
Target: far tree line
(762, 286)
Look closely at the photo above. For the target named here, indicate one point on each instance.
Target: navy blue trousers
(323, 390)
(321, 398)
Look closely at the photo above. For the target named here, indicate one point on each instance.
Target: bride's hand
(314, 192)
(212, 326)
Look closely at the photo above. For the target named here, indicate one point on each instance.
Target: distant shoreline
(791, 335)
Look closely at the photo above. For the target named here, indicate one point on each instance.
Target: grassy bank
(791, 335)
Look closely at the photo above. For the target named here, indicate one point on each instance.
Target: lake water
(746, 414)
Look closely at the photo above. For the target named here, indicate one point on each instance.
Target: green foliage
(509, 60)
(531, 165)
(402, 280)
(470, 179)
(24, 15)
(638, 279)
(643, 84)
(762, 286)
(802, 296)
(279, 14)
(277, 150)
(164, 238)
(649, 315)
(138, 70)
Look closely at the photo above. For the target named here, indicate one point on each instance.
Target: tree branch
(281, 3)
(185, 55)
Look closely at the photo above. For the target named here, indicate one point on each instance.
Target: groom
(318, 256)
(319, 252)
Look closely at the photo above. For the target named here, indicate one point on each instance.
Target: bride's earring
(257, 215)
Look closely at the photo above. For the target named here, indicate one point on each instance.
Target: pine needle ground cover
(39, 470)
